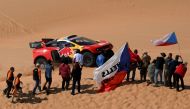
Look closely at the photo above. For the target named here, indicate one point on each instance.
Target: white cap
(37, 64)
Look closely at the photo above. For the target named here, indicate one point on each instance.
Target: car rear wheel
(88, 59)
(42, 62)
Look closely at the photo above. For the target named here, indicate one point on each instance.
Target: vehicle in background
(55, 49)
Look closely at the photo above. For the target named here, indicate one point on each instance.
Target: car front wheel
(42, 62)
(88, 59)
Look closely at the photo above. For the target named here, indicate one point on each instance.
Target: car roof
(68, 38)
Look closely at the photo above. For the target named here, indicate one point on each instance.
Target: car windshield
(52, 43)
(83, 41)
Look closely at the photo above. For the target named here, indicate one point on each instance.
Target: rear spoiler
(38, 44)
(35, 44)
(46, 40)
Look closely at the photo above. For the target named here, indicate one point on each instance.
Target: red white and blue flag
(112, 73)
(168, 39)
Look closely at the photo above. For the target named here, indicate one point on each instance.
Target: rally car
(55, 49)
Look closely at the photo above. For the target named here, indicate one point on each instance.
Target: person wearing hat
(9, 81)
(37, 78)
(179, 75)
(172, 67)
(159, 68)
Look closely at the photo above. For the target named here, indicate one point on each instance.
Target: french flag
(112, 73)
(168, 39)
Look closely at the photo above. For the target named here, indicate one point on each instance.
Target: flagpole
(179, 48)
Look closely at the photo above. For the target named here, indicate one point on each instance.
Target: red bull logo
(66, 51)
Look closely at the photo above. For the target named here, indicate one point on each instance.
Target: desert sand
(118, 21)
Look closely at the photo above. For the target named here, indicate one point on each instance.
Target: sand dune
(9, 26)
(117, 21)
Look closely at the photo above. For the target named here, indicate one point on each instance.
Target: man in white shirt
(78, 57)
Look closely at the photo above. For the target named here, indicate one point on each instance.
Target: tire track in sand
(9, 26)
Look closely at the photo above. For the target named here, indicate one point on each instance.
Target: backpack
(35, 74)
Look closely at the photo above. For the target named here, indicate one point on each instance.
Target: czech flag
(168, 39)
(112, 73)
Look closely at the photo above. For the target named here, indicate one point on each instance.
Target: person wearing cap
(37, 78)
(172, 67)
(48, 75)
(159, 68)
(9, 81)
(179, 75)
(17, 85)
(166, 69)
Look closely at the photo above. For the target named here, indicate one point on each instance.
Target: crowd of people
(162, 71)
(14, 84)
(168, 70)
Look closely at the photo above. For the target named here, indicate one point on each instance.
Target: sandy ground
(117, 21)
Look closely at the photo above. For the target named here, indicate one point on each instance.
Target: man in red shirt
(134, 64)
(179, 75)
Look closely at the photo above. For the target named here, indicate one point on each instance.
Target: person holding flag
(172, 67)
(179, 75)
(134, 64)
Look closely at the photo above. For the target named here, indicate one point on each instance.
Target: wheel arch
(38, 58)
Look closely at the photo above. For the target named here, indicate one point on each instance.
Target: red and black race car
(53, 49)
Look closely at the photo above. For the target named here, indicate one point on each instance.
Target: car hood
(100, 44)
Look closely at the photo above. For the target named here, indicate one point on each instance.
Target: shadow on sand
(130, 82)
(88, 88)
(187, 87)
(29, 98)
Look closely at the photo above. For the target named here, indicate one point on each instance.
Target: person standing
(37, 78)
(64, 71)
(145, 62)
(48, 75)
(166, 69)
(76, 74)
(78, 57)
(17, 85)
(9, 81)
(151, 70)
(100, 60)
(179, 75)
(172, 67)
(134, 65)
(159, 68)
